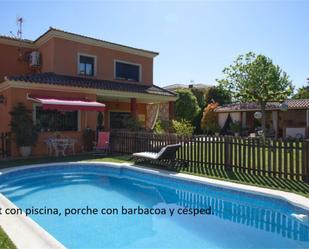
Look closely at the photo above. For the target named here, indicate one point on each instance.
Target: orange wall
(5, 109)
(87, 119)
(66, 55)
(9, 63)
(122, 107)
(61, 55)
(47, 51)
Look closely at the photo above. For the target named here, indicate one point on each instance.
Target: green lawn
(290, 185)
(5, 242)
(273, 161)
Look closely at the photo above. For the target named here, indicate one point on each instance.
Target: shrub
(213, 128)
(162, 126)
(235, 127)
(217, 94)
(23, 129)
(199, 93)
(182, 127)
(197, 122)
(186, 106)
(100, 121)
(209, 117)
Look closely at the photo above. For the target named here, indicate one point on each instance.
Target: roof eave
(16, 42)
(37, 85)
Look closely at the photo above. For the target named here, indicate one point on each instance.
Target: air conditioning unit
(34, 58)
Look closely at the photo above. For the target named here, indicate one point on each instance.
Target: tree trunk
(263, 110)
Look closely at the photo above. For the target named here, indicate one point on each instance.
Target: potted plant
(23, 129)
(235, 128)
(100, 122)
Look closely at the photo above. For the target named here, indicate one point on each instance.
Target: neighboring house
(175, 87)
(291, 123)
(62, 71)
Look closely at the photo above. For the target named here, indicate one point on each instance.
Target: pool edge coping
(292, 198)
(42, 239)
(24, 232)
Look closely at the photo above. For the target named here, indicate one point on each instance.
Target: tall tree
(302, 93)
(254, 78)
(186, 106)
(217, 94)
(199, 93)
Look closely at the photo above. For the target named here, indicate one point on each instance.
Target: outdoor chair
(102, 146)
(166, 154)
(59, 145)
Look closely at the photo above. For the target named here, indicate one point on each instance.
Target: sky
(195, 39)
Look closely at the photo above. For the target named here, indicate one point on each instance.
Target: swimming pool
(236, 219)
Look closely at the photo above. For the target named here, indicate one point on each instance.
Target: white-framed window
(124, 70)
(86, 64)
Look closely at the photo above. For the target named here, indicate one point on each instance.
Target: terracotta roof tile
(72, 81)
(292, 104)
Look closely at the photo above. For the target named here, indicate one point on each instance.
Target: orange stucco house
(68, 67)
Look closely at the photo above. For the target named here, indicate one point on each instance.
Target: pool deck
(25, 233)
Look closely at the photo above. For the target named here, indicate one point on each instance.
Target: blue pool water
(238, 220)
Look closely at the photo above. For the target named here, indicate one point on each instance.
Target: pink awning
(49, 103)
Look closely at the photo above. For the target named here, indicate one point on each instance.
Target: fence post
(228, 153)
(305, 160)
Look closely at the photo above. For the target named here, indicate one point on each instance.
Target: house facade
(293, 122)
(66, 79)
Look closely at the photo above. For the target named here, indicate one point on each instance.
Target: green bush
(23, 129)
(100, 121)
(162, 126)
(213, 128)
(199, 93)
(217, 94)
(235, 127)
(186, 106)
(182, 127)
